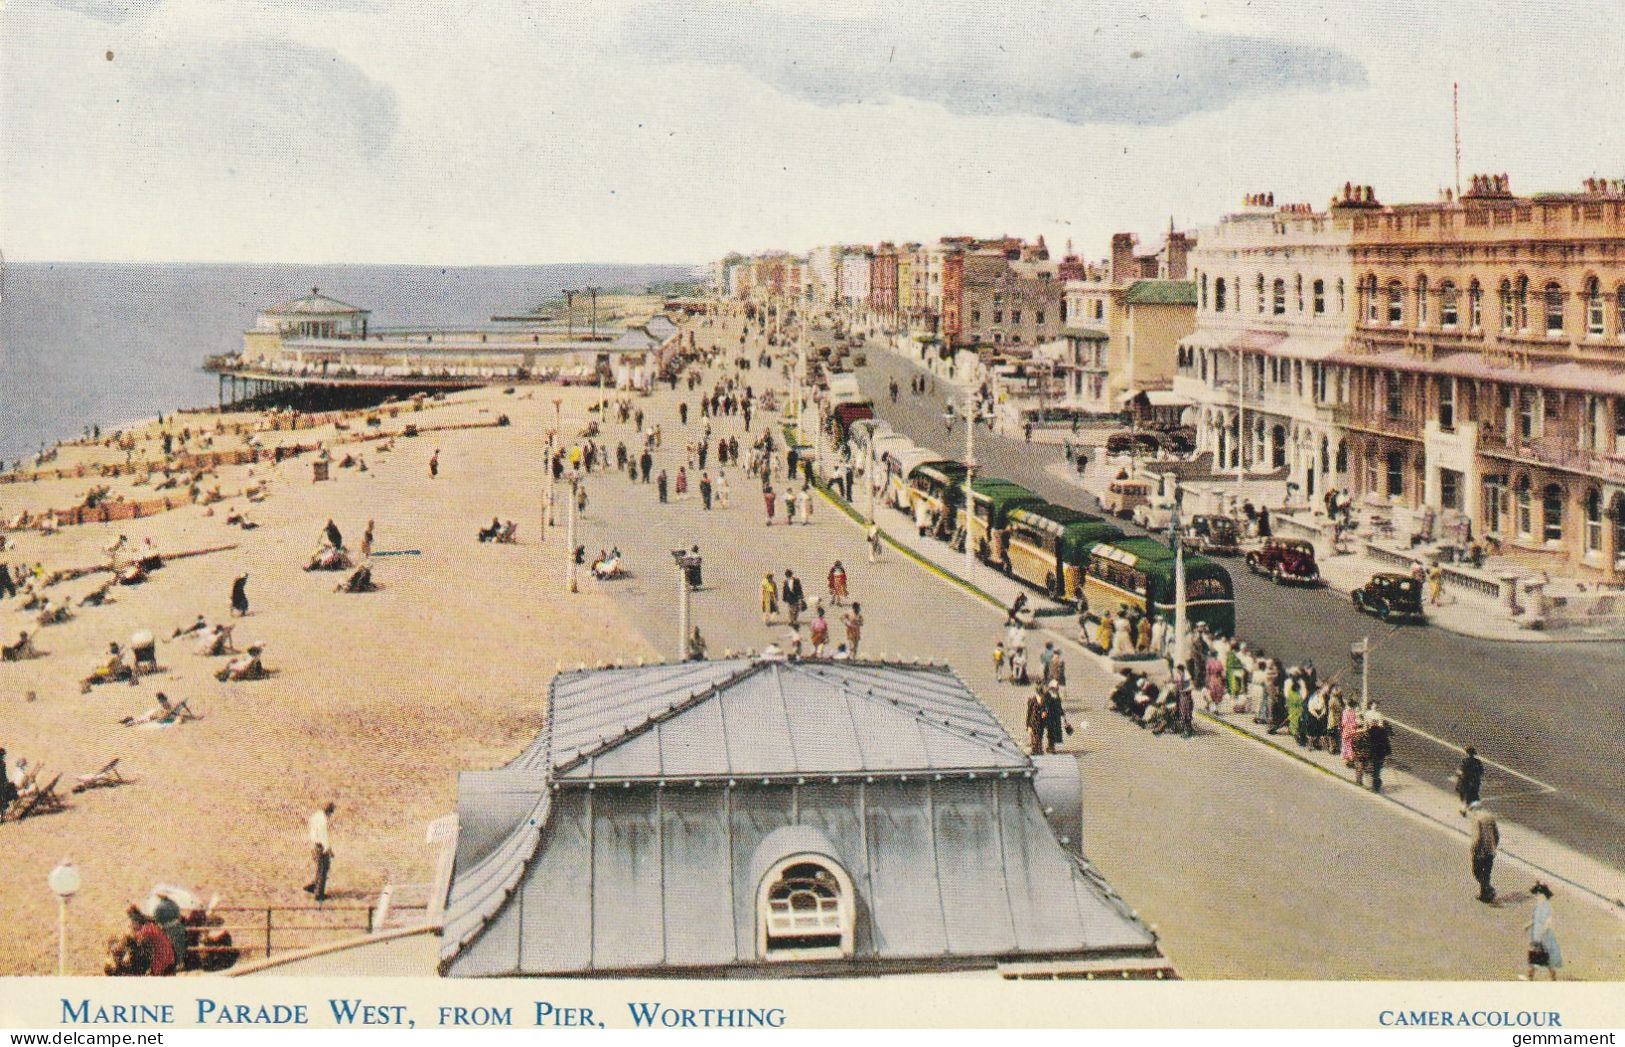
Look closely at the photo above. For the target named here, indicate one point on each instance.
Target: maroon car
(1285, 560)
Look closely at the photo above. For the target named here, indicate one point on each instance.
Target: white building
(1275, 303)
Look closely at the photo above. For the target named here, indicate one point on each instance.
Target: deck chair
(509, 535)
(105, 778)
(43, 800)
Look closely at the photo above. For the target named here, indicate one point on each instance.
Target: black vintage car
(1213, 535)
(1391, 597)
(1133, 442)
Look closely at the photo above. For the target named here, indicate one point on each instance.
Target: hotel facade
(1465, 356)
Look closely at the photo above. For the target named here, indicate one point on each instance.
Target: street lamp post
(64, 882)
(570, 314)
(592, 292)
(570, 533)
(683, 591)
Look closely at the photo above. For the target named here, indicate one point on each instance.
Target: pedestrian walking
(768, 498)
(682, 482)
(660, 485)
(321, 846)
(1379, 745)
(722, 489)
(770, 598)
(239, 596)
(874, 542)
(1056, 725)
(1035, 721)
(434, 464)
(581, 499)
(804, 504)
(1544, 952)
(1469, 779)
(853, 620)
(366, 541)
(998, 660)
(794, 599)
(1485, 841)
(1435, 579)
(837, 584)
(705, 490)
(818, 630)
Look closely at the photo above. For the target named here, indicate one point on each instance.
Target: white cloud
(498, 131)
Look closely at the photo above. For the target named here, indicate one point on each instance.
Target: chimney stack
(1123, 266)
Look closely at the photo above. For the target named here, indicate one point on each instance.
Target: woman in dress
(1349, 727)
(837, 584)
(770, 599)
(1543, 949)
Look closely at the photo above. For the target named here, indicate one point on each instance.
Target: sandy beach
(376, 702)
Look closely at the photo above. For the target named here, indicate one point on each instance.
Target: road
(1549, 715)
(1219, 842)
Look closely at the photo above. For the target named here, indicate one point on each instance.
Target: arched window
(1523, 506)
(1261, 292)
(1340, 295)
(1508, 316)
(1204, 291)
(1449, 306)
(1618, 514)
(1396, 303)
(805, 910)
(1421, 301)
(1554, 309)
(1278, 298)
(1619, 310)
(1297, 289)
(1320, 297)
(1551, 513)
(1593, 521)
(1520, 301)
(1475, 306)
(1372, 306)
(1218, 295)
(1594, 309)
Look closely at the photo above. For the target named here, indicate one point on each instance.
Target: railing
(1559, 453)
(1375, 421)
(264, 928)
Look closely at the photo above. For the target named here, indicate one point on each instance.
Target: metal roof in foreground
(631, 837)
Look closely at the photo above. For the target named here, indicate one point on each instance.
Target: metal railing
(265, 929)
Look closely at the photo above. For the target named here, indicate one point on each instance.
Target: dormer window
(805, 910)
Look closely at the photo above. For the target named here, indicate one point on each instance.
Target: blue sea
(109, 344)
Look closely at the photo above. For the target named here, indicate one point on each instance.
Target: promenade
(1251, 863)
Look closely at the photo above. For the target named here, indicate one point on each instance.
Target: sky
(469, 132)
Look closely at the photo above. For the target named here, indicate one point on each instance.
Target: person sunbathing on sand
(166, 713)
(243, 667)
(196, 627)
(111, 671)
(215, 642)
(23, 648)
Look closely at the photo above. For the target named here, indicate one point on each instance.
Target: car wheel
(1359, 603)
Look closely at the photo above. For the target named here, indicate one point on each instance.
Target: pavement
(1250, 862)
(1538, 710)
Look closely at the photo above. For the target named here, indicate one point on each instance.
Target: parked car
(1155, 514)
(1213, 535)
(1391, 597)
(1136, 443)
(1123, 496)
(1285, 560)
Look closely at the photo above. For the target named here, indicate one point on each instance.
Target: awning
(1570, 377)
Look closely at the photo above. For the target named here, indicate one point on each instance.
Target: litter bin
(318, 472)
(691, 567)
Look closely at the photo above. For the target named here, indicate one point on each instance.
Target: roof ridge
(649, 723)
(922, 715)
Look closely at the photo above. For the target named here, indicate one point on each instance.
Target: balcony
(1556, 452)
(1350, 417)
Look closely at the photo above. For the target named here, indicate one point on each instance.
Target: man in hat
(1469, 779)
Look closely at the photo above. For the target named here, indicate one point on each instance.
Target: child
(998, 660)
